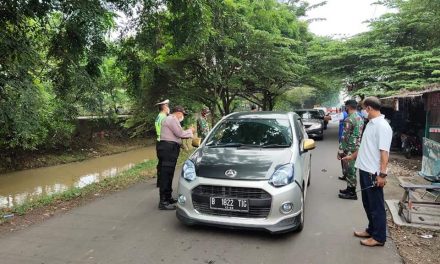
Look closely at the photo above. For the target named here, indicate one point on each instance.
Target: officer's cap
(164, 102)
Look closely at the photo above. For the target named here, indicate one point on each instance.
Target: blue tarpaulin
(431, 159)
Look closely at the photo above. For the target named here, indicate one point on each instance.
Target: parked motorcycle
(411, 145)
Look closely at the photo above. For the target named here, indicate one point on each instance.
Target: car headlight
(189, 171)
(315, 126)
(282, 176)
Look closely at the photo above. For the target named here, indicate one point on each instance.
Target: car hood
(249, 164)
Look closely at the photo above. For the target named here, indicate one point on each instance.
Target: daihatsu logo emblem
(231, 173)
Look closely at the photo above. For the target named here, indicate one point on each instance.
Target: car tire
(301, 216)
(310, 174)
(407, 153)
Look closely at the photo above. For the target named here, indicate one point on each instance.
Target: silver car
(252, 172)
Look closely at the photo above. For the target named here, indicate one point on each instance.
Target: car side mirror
(308, 144)
(196, 142)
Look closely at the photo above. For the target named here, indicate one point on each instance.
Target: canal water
(17, 187)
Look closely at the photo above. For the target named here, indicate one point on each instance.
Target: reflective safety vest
(158, 123)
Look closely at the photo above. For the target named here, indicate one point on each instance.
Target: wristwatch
(382, 175)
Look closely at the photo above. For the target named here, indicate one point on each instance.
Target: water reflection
(21, 186)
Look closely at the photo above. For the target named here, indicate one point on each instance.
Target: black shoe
(166, 206)
(348, 196)
(171, 200)
(342, 178)
(344, 191)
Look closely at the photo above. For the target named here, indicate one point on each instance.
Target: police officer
(350, 142)
(171, 135)
(164, 111)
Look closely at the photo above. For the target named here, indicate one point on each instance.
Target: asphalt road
(126, 227)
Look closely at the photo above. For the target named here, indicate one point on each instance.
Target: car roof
(260, 114)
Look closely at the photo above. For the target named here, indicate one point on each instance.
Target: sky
(344, 18)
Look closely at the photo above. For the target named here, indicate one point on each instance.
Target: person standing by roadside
(342, 116)
(349, 144)
(168, 150)
(202, 124)
(164, 111)
(372, 162)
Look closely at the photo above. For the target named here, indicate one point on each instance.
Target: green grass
(127, 178)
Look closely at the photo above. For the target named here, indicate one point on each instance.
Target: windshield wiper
(276, 146)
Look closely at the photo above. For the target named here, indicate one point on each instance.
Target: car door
(304, 157)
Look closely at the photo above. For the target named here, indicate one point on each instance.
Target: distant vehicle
(313, 121)
(324, 109)
(251, 172)
(323, 115)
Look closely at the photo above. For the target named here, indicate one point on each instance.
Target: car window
(252, 132)
(299, 130)
(309, 114)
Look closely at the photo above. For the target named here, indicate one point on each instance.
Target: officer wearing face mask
(171, 136)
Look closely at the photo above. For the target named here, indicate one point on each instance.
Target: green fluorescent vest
(158, 123)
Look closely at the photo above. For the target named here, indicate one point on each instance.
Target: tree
(50, 53)
(400, 52)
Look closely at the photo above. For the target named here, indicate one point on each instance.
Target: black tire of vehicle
(310, 172)
(301, 216)
(407, 152)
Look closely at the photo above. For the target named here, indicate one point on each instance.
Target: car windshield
(267, 133)
(309, 114)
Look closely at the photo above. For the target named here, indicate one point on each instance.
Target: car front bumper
(275, 222)
(315, 132)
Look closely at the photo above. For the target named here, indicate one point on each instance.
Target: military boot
(350, 194)
(342, 178)
(344, 191)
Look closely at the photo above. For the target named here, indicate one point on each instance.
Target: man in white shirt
(372, 161)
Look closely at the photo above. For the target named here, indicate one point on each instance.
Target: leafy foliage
(57, 60)
(400, 52)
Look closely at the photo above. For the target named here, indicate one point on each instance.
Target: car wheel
(310, 174)
(407, 153)
(301, 216)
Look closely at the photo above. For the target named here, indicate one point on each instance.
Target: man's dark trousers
(374, 205)
(168, 152)
(159, 164)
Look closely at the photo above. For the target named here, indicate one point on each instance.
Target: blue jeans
(374, 206)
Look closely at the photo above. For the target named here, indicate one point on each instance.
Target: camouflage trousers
(349, 171)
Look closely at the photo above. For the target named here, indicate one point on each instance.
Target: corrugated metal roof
(408, 94)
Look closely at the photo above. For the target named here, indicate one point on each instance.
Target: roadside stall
(430, 164)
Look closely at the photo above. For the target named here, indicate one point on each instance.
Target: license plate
(229, 204)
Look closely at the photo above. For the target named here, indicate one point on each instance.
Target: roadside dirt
(416, 246)
(78, 152)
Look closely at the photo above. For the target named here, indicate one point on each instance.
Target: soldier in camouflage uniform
(350, 142)
(202, 124)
